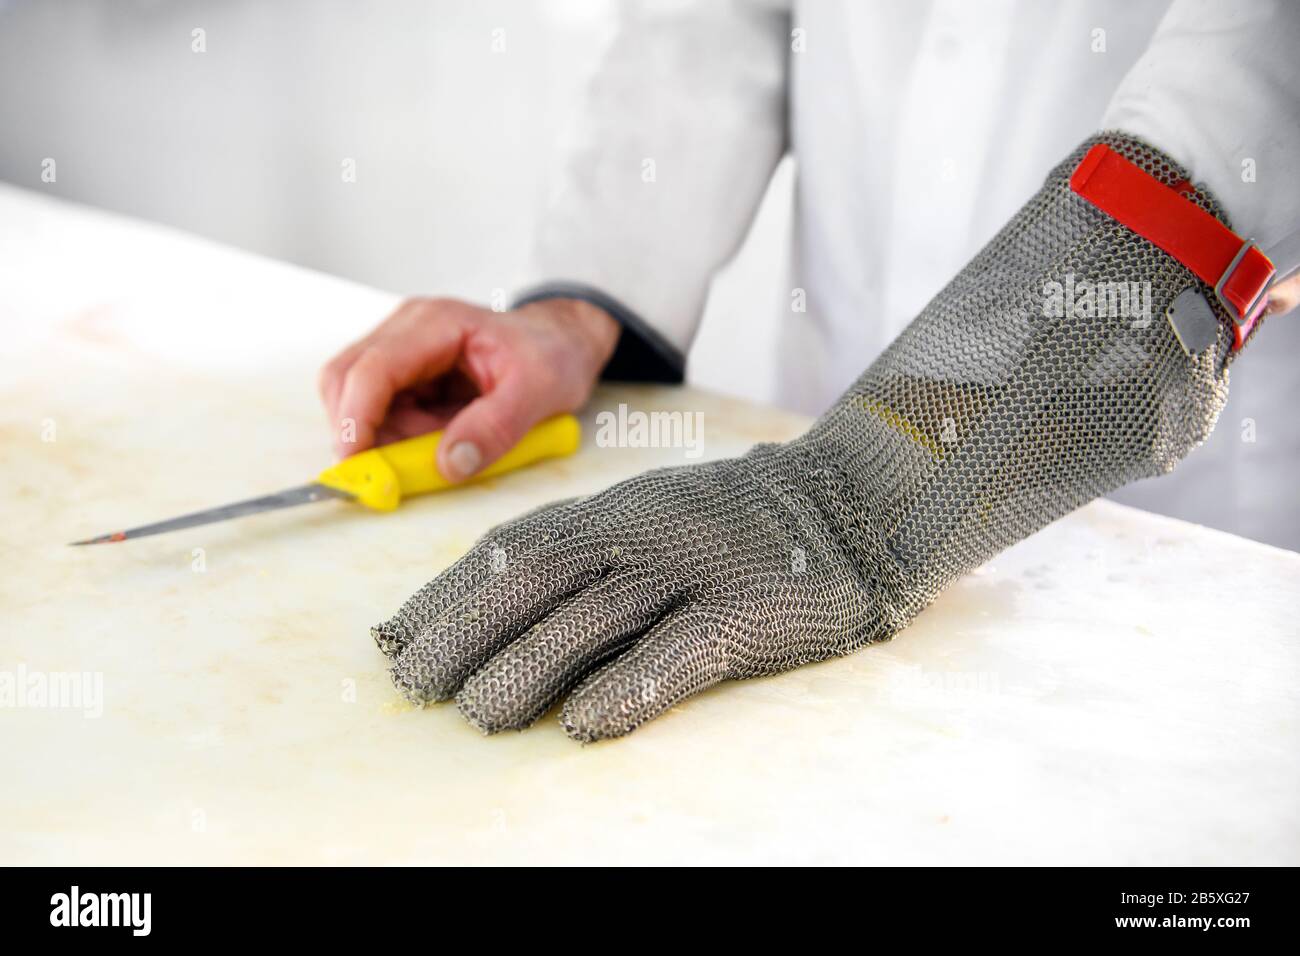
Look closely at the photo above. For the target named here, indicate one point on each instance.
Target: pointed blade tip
(102, 539)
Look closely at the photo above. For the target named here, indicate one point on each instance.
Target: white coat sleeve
(680, 130)
(1218, 90)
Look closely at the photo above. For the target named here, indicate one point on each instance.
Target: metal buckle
(1244, 316)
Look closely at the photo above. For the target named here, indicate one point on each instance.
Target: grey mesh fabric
(985, 420)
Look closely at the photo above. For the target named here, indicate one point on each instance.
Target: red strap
(1235, 268)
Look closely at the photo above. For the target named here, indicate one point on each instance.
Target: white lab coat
(918, 128)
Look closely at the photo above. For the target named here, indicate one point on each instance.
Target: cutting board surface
(1120, 688)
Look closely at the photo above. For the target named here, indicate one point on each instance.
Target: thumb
(486, 429)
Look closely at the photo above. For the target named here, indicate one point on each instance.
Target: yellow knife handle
(381, 477)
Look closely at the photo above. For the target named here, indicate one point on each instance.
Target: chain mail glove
(985, 420)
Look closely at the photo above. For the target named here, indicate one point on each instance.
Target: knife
(378, 478)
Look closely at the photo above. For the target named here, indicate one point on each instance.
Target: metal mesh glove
(984, 421)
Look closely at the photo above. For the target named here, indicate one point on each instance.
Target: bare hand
(486, 377)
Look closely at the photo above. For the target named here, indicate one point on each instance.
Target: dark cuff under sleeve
(642, 354)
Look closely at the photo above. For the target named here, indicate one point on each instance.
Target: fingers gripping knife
(378, 478)
(989, 417)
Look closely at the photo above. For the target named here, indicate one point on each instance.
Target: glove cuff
(1045, 374)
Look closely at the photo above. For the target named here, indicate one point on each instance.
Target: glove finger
(525, 678)
(513, 525)
(682, 655)
(506, 542)
(435, 663)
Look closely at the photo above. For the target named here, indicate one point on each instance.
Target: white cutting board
(1120, 688)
